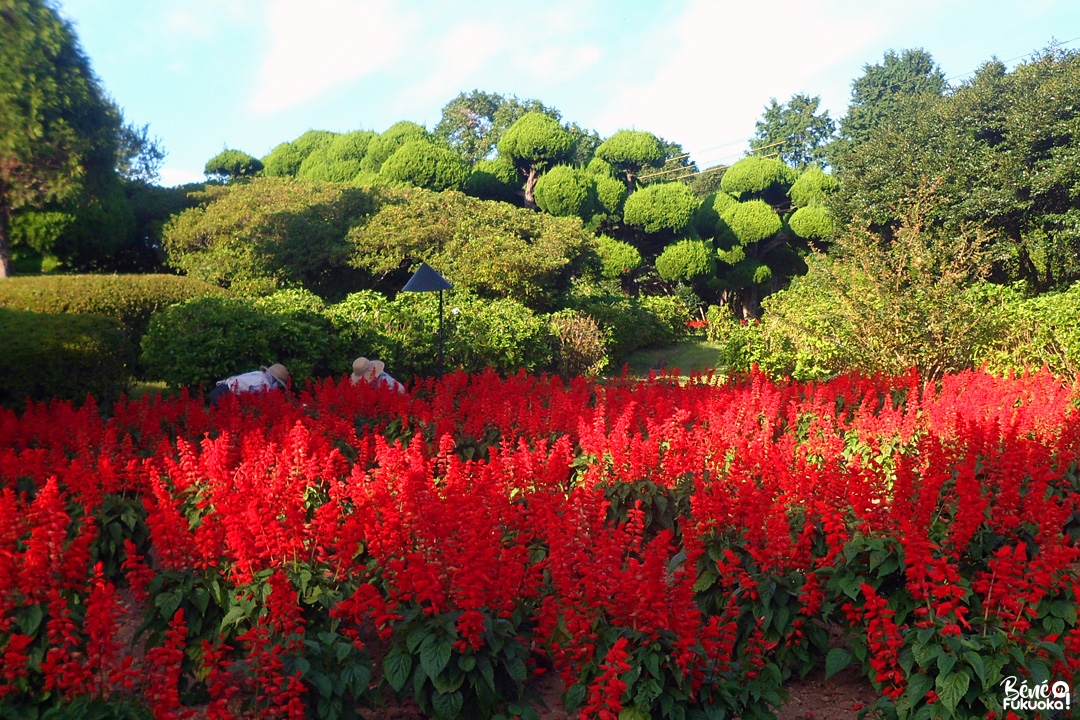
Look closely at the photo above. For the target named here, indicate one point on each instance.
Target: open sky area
(249, 74)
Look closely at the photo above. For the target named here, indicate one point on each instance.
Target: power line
(1018, 57)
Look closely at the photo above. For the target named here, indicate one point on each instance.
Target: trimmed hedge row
(66, 357)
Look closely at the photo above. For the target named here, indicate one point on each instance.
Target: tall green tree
(57, 127)
(232, 165)
(535, 143)
(1001, 152)
(631, 151)
(876, 94)
(794, 131)
(473, 123)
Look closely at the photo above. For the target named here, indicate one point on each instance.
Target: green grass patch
(693, 354)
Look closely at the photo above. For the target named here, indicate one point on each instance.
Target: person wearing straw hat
(374, 373)
(275, 377)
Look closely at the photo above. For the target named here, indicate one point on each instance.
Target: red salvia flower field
(669, 550)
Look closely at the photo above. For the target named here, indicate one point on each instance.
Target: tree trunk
(5, 243)
(629, 183)
(530, 183)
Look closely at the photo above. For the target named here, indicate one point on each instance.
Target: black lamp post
(425, 279)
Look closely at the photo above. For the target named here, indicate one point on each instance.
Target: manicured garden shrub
(382, 146)
(496, 179)
(1033, 332)
(687, 261)
(565, 191)
(812, 188)
(206, 339)
(339, 160)
(629, 323)
(65, 357)
(131, 299)
(286, 158)
(425, 164)
(707, 217)
(664, 206)
(611, 194)
(617, 258)
(755, 176)
(812, 222)
(751, 221)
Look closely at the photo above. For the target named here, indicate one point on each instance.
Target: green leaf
(705, 581)
(647, 691)
(168, 602)
(397, 665)
(447, 706)
(951, 688)
(574, 696)
(200, 599)
(975, 660)
(434, 656)
(1039, 672)
(31, 620)
(652, 664)
(837, 660)
(342, 651)
(945, 662)
(322, 684)
(917, 687)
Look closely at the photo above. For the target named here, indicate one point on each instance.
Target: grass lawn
(689, 355)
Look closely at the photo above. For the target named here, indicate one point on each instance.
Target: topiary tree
(339, 160)
(387, 143)
(493, 180)
(628, 151)
(661, 207)
(611, 194)
(759, 177)
(707, 217)
(564, 191)
(813, 188)
(287, 157)
(812, 222)
(231, 165)
(617, 258)
(534, 143)
(687, 261)
(421, 163)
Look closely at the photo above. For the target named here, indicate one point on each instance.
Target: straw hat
(280, 373)
(365, 369)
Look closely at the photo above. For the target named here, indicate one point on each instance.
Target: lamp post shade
(425, 279)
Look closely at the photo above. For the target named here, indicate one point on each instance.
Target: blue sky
(248, 74)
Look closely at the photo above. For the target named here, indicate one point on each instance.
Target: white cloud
(319, 45)
(172, 176)
(723, 62)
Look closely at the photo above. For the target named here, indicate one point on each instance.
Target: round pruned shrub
(756, 175)
(752, 221)
(338, 160)
(566, 192)
(421, 163)
(287, 157)
(496, 179)
(664, 206)
(611, 194)
(231, 164)
(617, 258)
(812, 188)
(686, 261)
(65, 357)
(387, 143)
(812, 222)
(707, 217)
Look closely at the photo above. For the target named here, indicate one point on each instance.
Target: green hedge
(131, 299)
(66, 357)
(631, 323)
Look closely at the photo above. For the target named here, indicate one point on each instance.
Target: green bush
(66, 357)
(496, 179)
(339, 160)
(130, 299)
(812, 188)
(812, 222)
(230, 164)
(404, 333)
(686, 261)
(617, 258)
(287, 157)
(755, 176)
(1037, 331)
(564, 191)
(387, 143)
(260, 236)
(206, 339)
(707, 217)
(421, 163)
(611, 194)
(664, 206)
(629, 323)
(580, 346)
(751, 221)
